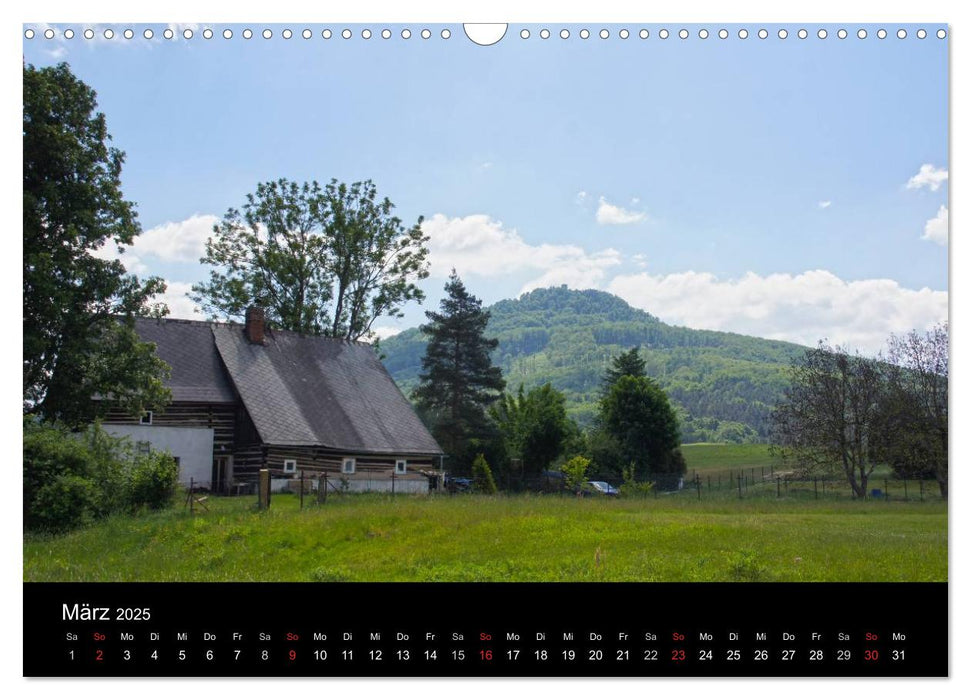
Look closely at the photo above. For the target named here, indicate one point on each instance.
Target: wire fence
(766, 482)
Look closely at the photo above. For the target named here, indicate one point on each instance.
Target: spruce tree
(458, 380)
(626, 364)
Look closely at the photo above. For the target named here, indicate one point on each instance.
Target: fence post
(886, 490)
(905, 490)
(922, 490)
(264, 489)
(739, 486)
(192, 499)
(301, 489)
(787, 484)
(778, 487)
(709, 482)
(815, 488)
(698, 485)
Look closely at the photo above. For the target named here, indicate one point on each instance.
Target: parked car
(458, 484)
(600, 488)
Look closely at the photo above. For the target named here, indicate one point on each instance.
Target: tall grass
(507, 538)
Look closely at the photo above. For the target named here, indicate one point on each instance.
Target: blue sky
(789, 188)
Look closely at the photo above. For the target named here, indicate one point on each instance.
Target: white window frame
(348, 461)
(403, 464)
(290, 466)
(149, 415)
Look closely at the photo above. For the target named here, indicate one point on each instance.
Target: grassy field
(710, 456)
(508, 538)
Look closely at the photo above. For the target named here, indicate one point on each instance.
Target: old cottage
(245, 398)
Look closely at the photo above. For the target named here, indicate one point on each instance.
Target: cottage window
(290, 466)
(401, 466)
(143, 447)
(146, 418)
(348, 465)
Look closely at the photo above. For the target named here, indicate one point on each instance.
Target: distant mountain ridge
(723, 384)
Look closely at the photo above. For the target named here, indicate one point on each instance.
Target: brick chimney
(255, 320)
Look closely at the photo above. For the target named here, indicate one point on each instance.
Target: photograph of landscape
(575, 303)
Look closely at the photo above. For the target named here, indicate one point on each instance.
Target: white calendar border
(700, 11)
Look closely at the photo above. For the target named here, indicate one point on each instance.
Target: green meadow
(375, 537)
(710, 456)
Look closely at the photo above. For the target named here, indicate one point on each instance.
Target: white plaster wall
(384, 485)
(193, 447)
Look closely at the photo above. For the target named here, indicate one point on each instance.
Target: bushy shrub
(64, 503)
(631, 487)
(482, 481)
(575, 472)
(154, 478)
(71, 479)
(109, 460)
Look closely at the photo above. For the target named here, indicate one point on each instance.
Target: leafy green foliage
(631, 486)
(575, 472)
(637, 414)
(78, 306)
(829, 416)
(534, 426)
(458, 380)
(913, 417)
(72, 479)
(154, 478)
(320, 260)
(482, 481)
(722, 385)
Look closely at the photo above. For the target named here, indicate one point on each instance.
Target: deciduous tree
(827, 418)
(79, 306)
(913, 430)
(325, 260)
(637, 414)
(534, 425)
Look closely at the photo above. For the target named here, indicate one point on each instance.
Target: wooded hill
(723, 384)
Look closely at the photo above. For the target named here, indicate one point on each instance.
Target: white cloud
(383, 332)
(928, 176)
(801, 308)
(181, 241)
(480, 245)
(133, 264)
(936, 229)
(611, 214)
(825, 204)
(581, 197)
(180, 305)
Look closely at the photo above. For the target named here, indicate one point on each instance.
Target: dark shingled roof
(302, 390)
(298, 390)
(189, 349)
